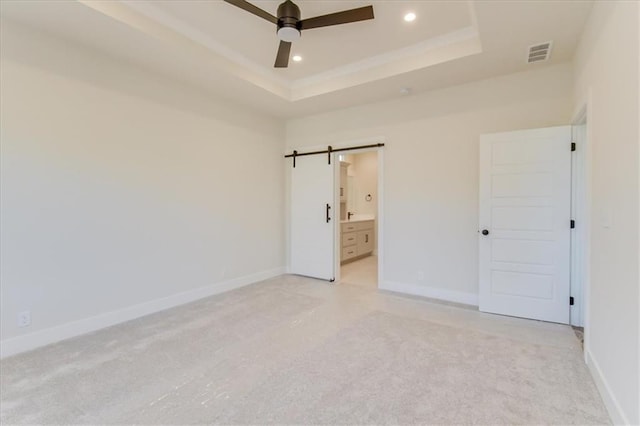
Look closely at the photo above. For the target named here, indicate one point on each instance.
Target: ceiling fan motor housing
(289, 25)
(288, 18)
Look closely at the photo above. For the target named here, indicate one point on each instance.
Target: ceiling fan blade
(245, 5)
(344, 17)
(282, 58)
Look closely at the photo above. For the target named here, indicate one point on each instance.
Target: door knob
(485, 232)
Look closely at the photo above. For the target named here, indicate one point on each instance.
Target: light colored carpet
(299, 351)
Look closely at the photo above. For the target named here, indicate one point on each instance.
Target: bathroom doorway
(359, 204)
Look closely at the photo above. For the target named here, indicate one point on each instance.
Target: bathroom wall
(365, 181)
(362, 181)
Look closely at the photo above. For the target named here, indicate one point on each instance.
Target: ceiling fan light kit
(288, 34)
(288, 18)
(289, 25)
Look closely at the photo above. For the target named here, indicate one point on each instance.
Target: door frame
(580, 202)
(379, 219)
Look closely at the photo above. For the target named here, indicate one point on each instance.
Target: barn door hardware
(330, 151)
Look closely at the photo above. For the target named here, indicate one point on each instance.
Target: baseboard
(613, 407)
(431, 292)
(27, 342)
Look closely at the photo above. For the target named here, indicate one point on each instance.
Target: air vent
(539, 52)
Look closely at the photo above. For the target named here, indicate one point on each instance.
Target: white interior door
(312, 217)
(525, 207)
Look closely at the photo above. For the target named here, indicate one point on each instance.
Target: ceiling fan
(290, 25)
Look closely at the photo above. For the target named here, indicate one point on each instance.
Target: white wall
(606, 77)
(366, 182)
(431, 168)
(123, 192)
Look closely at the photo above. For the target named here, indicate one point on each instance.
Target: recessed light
(410, 17)
(297, 58)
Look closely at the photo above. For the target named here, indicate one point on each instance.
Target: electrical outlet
(24, 319)
(420, 275)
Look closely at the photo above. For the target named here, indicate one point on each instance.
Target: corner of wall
(611, 403)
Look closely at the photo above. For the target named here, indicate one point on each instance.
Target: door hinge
(573, 224)
(573, 146)
(571, 300)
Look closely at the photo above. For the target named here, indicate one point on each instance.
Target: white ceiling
(323, 49)
(230, 53)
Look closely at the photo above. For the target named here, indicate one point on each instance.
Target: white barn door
(525, 207)
(312, 217)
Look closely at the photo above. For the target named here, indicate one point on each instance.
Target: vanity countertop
(361, 218)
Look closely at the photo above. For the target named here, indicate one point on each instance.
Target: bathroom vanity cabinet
(357, 239)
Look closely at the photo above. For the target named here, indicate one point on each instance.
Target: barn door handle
(328, 209)
(485, 232)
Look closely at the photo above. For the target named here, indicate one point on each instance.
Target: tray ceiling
(222, 48)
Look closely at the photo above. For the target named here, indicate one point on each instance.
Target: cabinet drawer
(349, 227)
(357, 226)
(365, 224)
(349, 252)
(349, 239)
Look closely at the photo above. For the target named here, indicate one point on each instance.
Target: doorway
(315, 215)
(357, 189)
